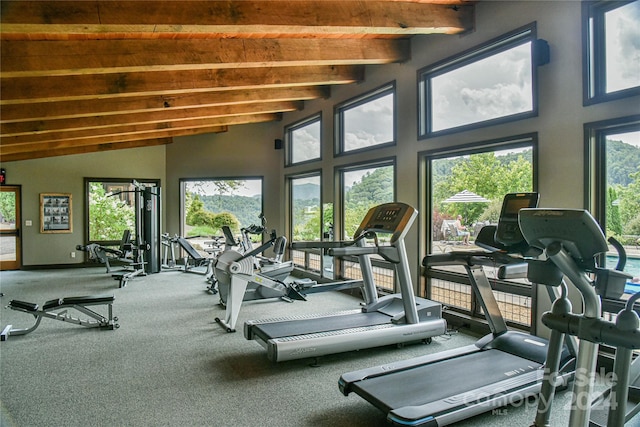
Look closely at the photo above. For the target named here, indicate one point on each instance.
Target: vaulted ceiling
(87, 76)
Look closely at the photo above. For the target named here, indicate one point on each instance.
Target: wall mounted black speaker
(541, 52)
(277, 144)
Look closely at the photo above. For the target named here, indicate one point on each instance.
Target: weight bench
(50, 310)
(197, 259)
(104, 254)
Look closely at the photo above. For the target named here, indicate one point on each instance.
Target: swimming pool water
(632, 267)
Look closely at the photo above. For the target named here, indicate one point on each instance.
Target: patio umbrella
(466, 196)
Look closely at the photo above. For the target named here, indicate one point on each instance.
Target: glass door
(10, 227)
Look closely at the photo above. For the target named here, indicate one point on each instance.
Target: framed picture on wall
(55, 213)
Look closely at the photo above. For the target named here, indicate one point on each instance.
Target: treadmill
(391, 319)
(500, 368)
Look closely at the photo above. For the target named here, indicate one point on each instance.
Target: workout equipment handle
(622, 253)
(353, 250)
(320, 245)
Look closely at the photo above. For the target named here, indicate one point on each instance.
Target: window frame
(595, 185)
(182, 187)
(289, 180)
(289, 129)
(595, 161)
(339, 214)
(369, 164)
(87, 187)
(503, 43)
(339, 110)
(309, 260)
(594, 53)
(425, 158)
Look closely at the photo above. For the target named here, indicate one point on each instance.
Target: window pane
(363, 189)
(622, 198)
(305, 206)
(622, 28)
(211, 204)
(489, 175)
(497, 86)
(111, 210)
(368, 124)
(305, 142)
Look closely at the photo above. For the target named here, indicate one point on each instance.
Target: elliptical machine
(572, 240)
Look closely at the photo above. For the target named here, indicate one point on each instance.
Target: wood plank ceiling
(87, 76)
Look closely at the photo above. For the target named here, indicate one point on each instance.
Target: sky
(623, 47)
(631, 138)
(251, 187)
(306, 142)
(493, 87)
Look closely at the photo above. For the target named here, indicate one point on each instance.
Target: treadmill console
(392, 218)
(508, 232)
(575, 229)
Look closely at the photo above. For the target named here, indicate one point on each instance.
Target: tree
(108, 216)
(629, 204)
(613, 212)
(7, 206)
(485, 174)
(228, 219)
(373, 189)
(195, 208)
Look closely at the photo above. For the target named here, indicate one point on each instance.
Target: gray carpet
(170, 364)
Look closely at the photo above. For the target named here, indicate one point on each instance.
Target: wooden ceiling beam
(258, 18)
(101, 86)
(84, 149)
(163, 116)
(64, 139)
(130, 105)
(65, 58)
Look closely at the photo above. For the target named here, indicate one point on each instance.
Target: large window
(306, 211)
(614, 151)
(304, 141)
(612, 51)
(367, 121)
(468, 184)
(492, 83)
(309, 222)
(209, 204)
(111, 208)
(363, 187)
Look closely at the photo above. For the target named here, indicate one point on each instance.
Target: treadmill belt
(437, 381)
(319, 324)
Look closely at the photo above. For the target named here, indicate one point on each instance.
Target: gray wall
(242, 151)
(66, 174)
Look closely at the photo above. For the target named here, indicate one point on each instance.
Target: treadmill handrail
(353, 250)
(476, 257)
(388, 253)
(320, 245)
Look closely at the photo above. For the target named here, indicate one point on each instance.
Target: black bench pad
(91, 299)
(23, 305)
(56, 303)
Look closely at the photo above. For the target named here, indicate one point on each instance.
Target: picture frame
(56, 213)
